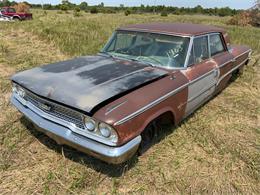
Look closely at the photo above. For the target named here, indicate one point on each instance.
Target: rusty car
(104, 105)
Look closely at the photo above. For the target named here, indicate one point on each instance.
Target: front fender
(133, 112)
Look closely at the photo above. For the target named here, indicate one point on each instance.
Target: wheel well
(152, 133)
(166, 118)
(16, 17)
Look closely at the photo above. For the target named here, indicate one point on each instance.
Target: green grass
(216, 150)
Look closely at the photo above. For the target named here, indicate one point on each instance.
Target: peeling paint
(87, 81)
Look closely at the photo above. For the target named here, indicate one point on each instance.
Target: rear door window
(216, 44)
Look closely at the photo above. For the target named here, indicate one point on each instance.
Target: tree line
(66, 5)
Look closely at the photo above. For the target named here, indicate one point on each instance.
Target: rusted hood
(86, 82)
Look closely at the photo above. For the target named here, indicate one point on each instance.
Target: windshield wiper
(149, 58)
(129, 58)
(107, 53)
(140, 61)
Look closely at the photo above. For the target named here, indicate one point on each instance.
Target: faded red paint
(176, 103)
(136, 100)
(184, 29)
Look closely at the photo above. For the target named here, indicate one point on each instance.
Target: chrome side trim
(113, 107)
(202, 76)
(64, 123)
(248, 51)
(227, 73)
(220, 66)
(159, 100)
(63, 135)
(150, 105)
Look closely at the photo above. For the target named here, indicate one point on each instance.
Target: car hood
(86, 82)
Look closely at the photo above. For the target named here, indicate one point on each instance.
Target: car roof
(183, 29)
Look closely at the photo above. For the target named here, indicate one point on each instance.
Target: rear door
(222, 57)
(202, 73)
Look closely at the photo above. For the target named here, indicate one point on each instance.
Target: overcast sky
(237, 4)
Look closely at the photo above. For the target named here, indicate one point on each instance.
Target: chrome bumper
(63, 135)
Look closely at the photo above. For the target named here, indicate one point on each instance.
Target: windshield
(155, 49)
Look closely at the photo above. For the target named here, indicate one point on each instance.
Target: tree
(198, 9)
(64, 7)
(101, 4)
(83, 5)
(65, 2)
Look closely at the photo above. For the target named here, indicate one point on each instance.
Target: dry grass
(216, 150)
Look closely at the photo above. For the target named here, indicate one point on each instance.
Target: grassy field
(216, 150)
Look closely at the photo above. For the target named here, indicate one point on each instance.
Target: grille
(56, 110)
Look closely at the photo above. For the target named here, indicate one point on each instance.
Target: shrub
(76, 12)
(255, 18)
(22, 7)
(64, 7)
(94, 10)
(108, 11)
(164, 14)
(127, 12)
(246, 18)
(77, 9)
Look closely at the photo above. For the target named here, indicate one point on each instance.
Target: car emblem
(44, 106)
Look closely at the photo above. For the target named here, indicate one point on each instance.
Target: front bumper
(63, 135)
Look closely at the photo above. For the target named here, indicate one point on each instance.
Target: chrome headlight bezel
(90, 124)
(18, 90)
(104, 132)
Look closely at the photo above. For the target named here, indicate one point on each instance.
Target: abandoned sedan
(104, 105)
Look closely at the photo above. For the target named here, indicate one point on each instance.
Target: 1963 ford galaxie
(104, 105)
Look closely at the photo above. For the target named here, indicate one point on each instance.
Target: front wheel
(149, 136)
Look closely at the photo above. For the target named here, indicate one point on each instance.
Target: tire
(149, 136)
(16, 19)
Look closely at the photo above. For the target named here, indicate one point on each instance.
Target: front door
(202, 73)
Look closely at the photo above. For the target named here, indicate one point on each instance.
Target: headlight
(89, 124)
(108, 132)
(105, 130)
(14, 88)
(102, 131)
(19, 90)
